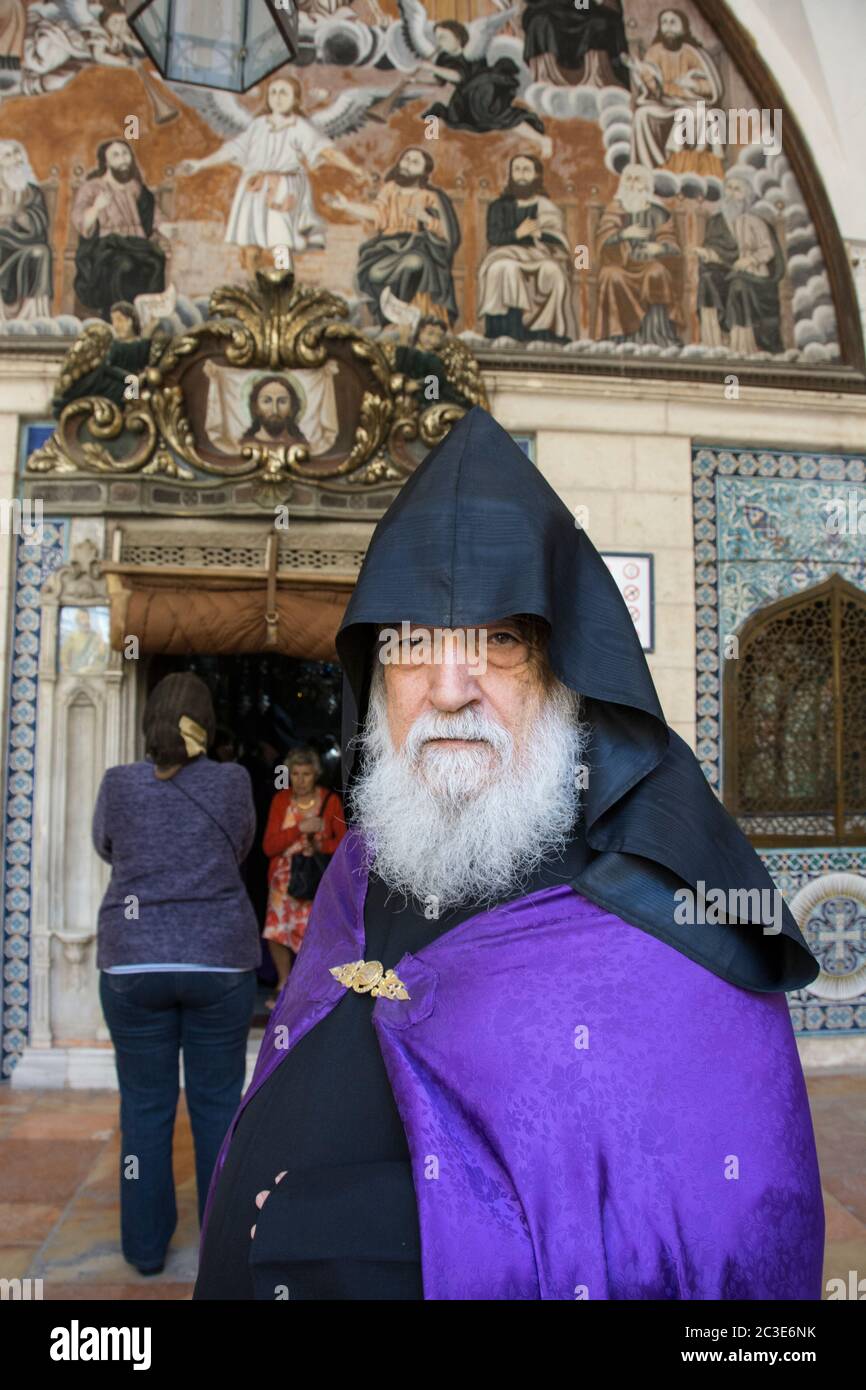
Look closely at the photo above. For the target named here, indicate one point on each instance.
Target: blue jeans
(151, 1016)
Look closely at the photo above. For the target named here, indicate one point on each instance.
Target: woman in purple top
(178, 949)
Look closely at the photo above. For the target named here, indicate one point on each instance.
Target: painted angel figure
(273, 202)
(483, 73)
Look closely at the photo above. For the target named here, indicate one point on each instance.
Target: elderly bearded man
(502, 1067)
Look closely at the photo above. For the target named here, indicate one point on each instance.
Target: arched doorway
(266, 704)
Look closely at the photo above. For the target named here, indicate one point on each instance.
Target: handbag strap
(195, 801)
(324, 854)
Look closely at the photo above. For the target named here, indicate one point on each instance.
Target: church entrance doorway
(266, 706)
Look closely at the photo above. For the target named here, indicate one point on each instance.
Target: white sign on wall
(634, 579)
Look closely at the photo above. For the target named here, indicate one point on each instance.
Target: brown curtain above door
(206, 619)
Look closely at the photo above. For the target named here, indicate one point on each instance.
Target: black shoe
(151, 1269)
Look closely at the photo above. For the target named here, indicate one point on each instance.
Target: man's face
(522, 170)
(504, 687)
(12, 167)
(671, 29)
(736, 194)
(633, 192)
(470, 750)
(274, 404)
(118, 158)
(412, 164)
(118, 29)
(10, 158)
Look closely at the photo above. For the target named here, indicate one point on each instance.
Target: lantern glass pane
(151, 27)
(285, 13)
(265, 46)
(206, 42)
(229, 44)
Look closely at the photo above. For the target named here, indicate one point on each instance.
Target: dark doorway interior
(267, 705)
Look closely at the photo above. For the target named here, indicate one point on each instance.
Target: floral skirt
(287, 917)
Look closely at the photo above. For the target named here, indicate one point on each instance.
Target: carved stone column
(81, 730)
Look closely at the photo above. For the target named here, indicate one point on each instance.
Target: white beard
(634, 200)
(732, 208)
(449, 826)
(16, 178)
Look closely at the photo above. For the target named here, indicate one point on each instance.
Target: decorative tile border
(758, 538)
(791, 870)
(33, 565)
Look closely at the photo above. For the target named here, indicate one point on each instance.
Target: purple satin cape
(590, 1113)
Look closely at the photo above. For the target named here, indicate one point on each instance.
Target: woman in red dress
(304, 819)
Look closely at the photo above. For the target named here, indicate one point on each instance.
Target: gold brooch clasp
(370, 977)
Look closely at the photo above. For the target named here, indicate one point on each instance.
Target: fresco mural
(588, 178)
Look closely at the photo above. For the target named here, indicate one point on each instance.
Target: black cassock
(115, 267)
(483, 98)
(569, 34)
(504, 216)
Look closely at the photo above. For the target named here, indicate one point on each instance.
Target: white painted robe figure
(273, 202)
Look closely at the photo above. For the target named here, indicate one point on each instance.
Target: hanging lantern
(230, 44)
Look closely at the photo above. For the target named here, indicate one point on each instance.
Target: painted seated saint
(675, 75)
(119, 254)
(416, 236)
(524, 284)
(83, 649)
(741, 266)
(636, 237)
(25, 250)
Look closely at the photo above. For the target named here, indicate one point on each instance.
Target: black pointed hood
(477, 535)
